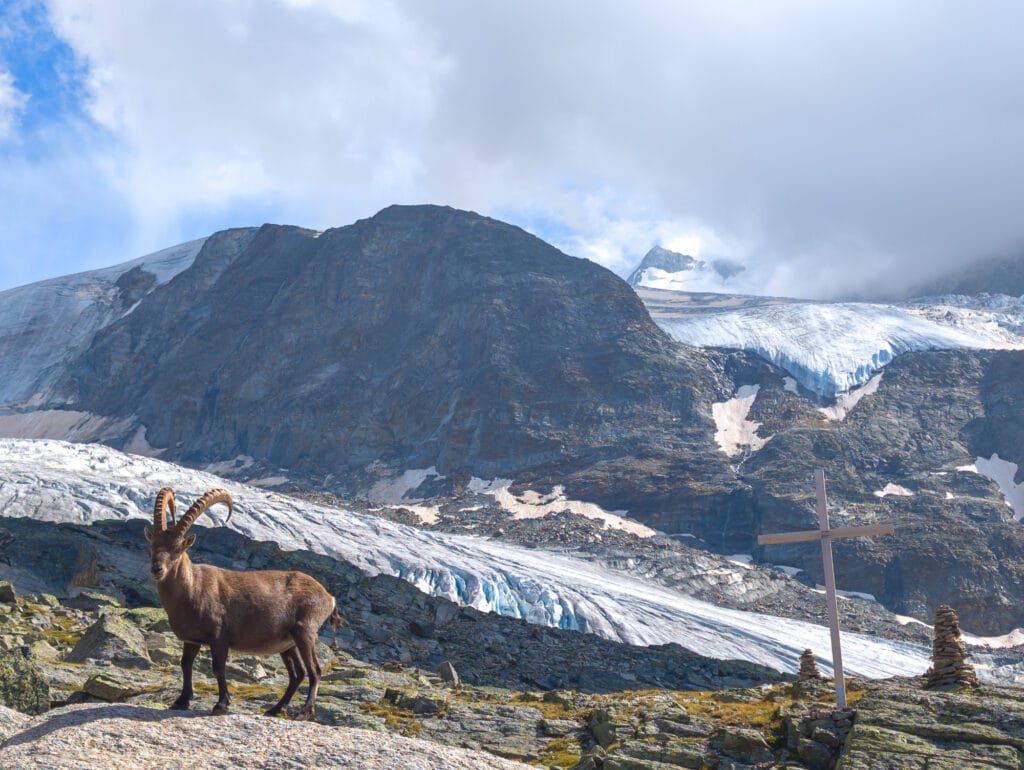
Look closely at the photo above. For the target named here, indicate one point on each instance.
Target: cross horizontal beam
(810, 535)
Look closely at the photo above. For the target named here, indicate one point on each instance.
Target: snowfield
(44, 323)
(61, 482)
(831, 348)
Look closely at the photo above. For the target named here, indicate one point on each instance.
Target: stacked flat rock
(949, 657)
(808, 668)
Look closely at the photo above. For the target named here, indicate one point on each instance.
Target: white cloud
(825, 145)
(12, 101)
(315, 105)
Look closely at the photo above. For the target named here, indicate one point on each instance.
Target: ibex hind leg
(188, 658)
(305, 643)
(296, 674)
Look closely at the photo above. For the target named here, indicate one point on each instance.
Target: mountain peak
(663, 268)
(660, 258)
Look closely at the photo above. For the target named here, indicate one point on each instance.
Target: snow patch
(789, 384)
(734, 432)
(1002, 472)
(393, 491)
(138, 445)
(427, 514)
(845, 402)
(745, 560)
(269, 481)
(240, 464)
(534, 505)
(1013, 639)
(893, 489)
(847, 594)
(791, 571)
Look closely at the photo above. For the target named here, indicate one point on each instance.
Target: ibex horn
(164, 498)
(212, 497)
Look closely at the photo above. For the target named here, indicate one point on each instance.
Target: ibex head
(168, 545)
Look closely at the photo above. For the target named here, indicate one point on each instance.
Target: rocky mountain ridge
(430, 339)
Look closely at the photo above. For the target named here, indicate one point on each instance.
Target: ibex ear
(148, 532)
(189, 541)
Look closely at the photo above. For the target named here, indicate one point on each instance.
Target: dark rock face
(423, 336)
(957, 542)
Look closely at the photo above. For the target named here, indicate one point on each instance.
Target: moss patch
(398, 720)
(561, 752)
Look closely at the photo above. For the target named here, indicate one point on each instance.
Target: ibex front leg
(188, 657)
(219, 653)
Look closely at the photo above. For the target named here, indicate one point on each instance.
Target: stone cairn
(808, 668)
(949, 657)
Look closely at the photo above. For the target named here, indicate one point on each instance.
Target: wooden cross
(827, 535)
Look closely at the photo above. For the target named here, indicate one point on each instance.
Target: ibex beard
(265, 612)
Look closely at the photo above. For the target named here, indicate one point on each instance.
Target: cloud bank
(831, 148)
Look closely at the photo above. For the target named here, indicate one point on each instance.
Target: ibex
(256, 612)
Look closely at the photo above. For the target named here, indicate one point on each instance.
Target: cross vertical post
(830, 587)
(826, 535)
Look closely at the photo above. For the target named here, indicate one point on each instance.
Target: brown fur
(256, 612)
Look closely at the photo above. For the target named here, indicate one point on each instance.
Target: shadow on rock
(75, 716)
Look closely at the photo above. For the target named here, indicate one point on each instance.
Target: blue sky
(829, 147)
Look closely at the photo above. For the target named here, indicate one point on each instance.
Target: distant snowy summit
(665, 269)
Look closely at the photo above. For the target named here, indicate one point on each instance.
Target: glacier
(57, 481)
(44, 323)
(830, 348)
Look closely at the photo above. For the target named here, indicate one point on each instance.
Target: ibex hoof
(272, 712)
(220, 709)
(304, 715)
(179, 705)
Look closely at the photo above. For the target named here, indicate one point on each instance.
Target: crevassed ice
(58, 481)
(830, 348)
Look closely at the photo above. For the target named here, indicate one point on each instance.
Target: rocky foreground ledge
(129, 737)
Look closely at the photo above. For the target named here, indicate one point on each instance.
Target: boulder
(746, 745)
(109, 687)
(448, 674)
(90, 601)
(112, 639)
(22, 687)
